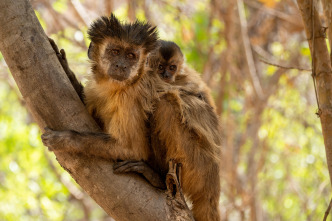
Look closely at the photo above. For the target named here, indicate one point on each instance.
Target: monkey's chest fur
(123, 114)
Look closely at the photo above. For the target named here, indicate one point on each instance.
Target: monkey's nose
(166, 75)
(121, 66)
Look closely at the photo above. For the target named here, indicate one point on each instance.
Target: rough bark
(327, 7)
(322, 71)
(53, 102)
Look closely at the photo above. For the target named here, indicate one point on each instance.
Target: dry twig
(327, 210)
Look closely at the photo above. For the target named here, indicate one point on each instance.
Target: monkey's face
(168, 61)
(118, 50)
(170, 64)
(120, 61)
(169, 69)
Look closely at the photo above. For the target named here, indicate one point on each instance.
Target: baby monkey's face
(168, 70)
(170, 60)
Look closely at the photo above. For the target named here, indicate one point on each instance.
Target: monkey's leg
(141, 168)
(96, 144)
(175, 199)
(70, 74)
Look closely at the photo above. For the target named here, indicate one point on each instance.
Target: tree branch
(322, 71)
(327, 6)
(53, 102)
(249, 56)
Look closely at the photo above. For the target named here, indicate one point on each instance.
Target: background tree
(274, 159)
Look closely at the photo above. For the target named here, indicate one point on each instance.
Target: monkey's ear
(90, 50)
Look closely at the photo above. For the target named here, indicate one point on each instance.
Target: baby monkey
(168, 62)
(185, 128)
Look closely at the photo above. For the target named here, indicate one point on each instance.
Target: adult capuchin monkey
(119, 94)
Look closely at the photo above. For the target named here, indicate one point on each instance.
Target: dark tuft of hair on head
(168, 49)
(137, 33)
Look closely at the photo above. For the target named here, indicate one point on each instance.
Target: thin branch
(247, 48)
(327, 210)
(273, 12)
(80, 10)
(283, 66)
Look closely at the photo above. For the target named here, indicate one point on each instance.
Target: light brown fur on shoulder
(191, 81)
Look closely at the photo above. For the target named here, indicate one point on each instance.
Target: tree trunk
(53, 102)
(322, 72)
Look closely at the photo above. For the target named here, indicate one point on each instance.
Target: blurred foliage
(275, 166)
(29, 187)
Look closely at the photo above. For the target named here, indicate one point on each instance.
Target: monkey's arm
(70, 74)
(142, 168)
(96, 144)
(100, 145)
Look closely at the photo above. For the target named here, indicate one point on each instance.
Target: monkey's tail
(206, 209)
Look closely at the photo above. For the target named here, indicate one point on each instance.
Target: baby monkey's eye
(161, 67)
(115, 51)
(131, 55)
(172, 67)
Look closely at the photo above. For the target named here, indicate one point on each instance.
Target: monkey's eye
(172, 67)
(115, 51)
(131, 55)
(161, 67)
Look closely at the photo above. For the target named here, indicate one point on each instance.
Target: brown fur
(186, 128)
(189, 81)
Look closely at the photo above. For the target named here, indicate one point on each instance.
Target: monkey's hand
(141, 168)
(61, 57)
(57, 140)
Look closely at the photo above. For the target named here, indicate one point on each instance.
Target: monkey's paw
(61, 54)
(178, 207)
(173, 178)
(141, 168)
(55, 140)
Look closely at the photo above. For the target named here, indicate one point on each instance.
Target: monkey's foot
(56, 140)
(141, 168)
(178, 207)
(173, 179)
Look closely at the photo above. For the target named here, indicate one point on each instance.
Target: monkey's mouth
(167, 80)
(119, 77)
